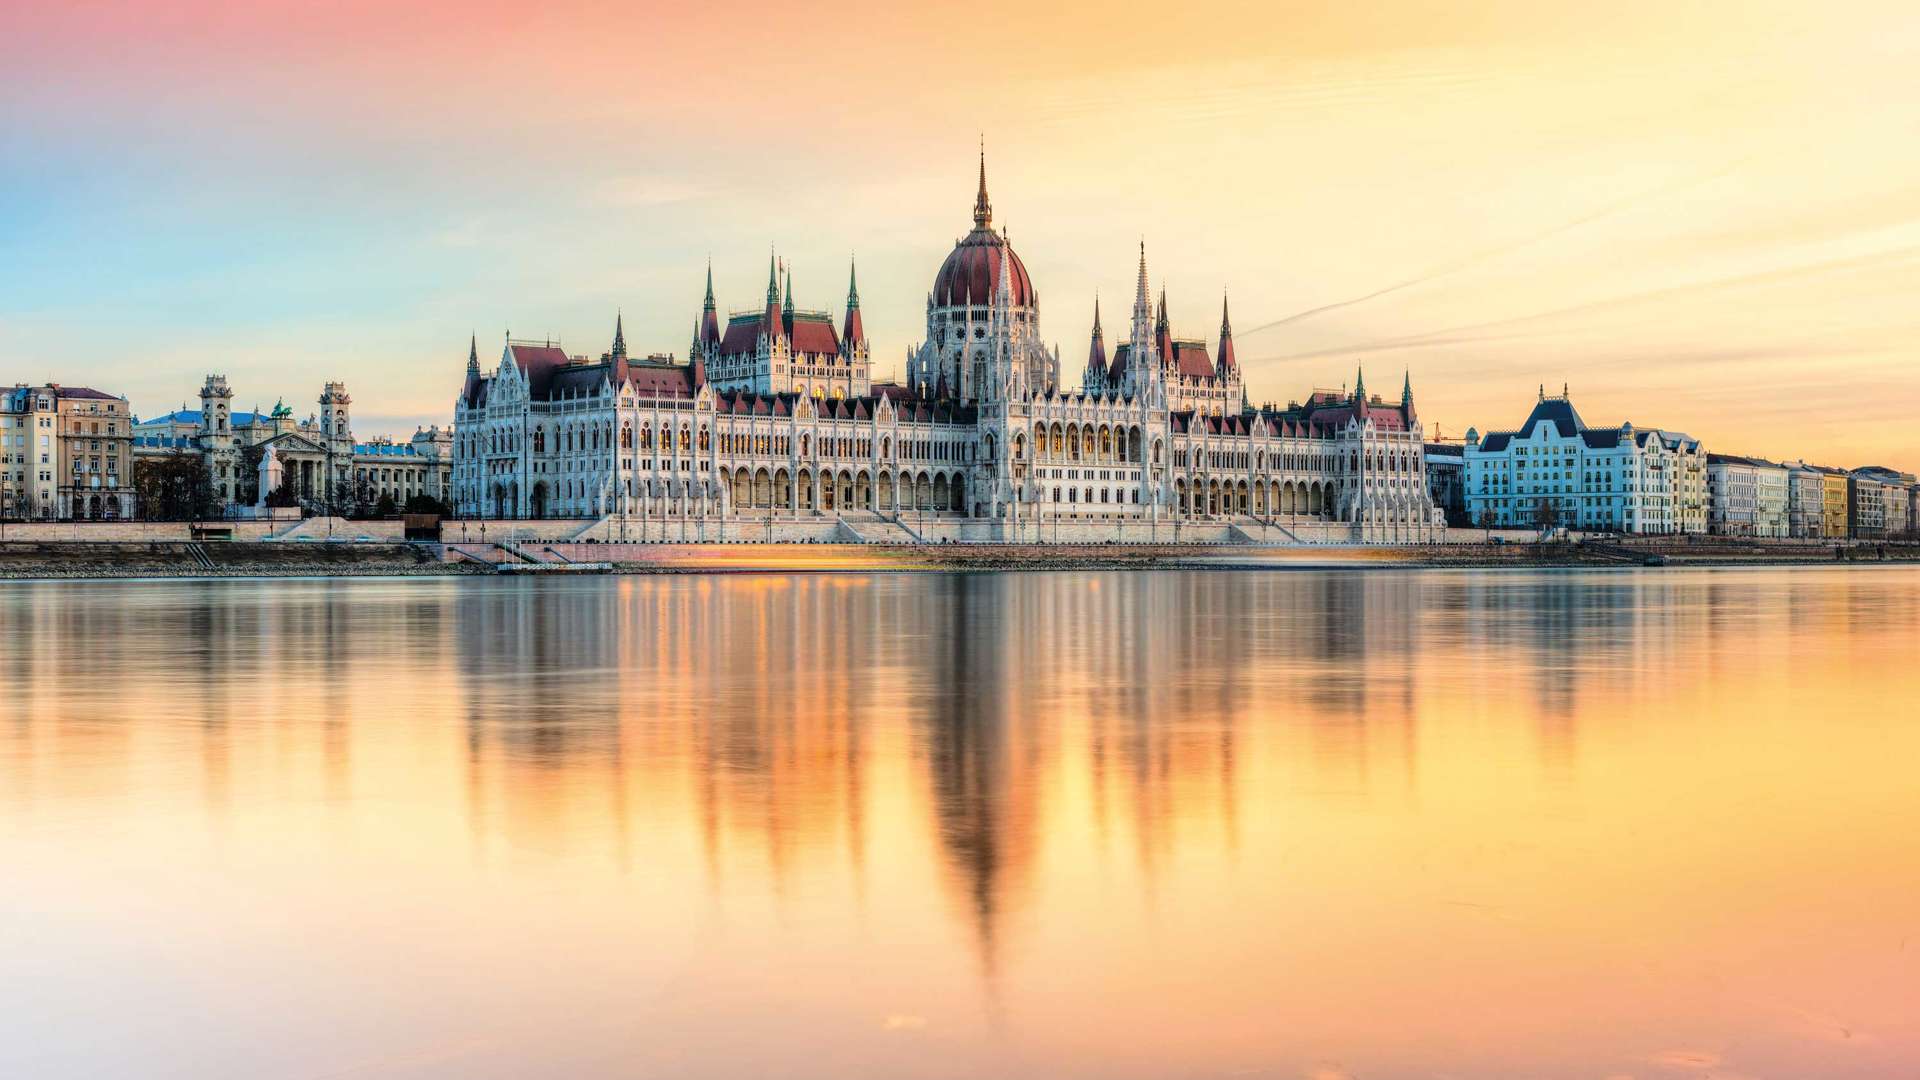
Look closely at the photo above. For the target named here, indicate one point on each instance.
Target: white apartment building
(1880, 503)
(1746, 497)
(1614, 479)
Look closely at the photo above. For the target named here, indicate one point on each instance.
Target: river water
(1313, 824)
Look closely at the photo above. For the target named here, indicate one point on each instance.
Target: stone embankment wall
(240, 558)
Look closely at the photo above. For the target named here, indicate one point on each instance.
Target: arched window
(626, 436)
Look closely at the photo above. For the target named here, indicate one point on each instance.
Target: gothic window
(539, 440)
(626, 437)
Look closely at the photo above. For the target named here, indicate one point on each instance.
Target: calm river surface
(1292, 824)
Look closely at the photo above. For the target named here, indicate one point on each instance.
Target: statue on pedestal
(270, 474)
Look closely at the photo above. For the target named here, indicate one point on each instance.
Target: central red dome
(971, 275)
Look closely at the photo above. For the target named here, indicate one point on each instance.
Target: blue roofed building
(320, 464)
(1592, 479)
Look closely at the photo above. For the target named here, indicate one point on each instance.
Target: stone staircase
(1262, 531)
(867, 527)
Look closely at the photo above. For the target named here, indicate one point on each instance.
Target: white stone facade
(1746, 497)
(1556, 469)
(982, 432)
(320, 462)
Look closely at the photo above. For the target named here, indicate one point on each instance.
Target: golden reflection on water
(1284, 824)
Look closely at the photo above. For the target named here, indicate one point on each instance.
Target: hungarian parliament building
(774, 417)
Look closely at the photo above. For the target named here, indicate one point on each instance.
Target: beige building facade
(65, 454)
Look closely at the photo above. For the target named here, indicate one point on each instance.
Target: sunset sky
(1703, 216)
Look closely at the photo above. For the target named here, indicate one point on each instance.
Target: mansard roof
(907, 407)
(1558, 410)
(538, 363)
(192, 416)
(812, 332)
(1189, 357)
(1326, 409)
(1567, 421)
(170, 442)
(579, 380)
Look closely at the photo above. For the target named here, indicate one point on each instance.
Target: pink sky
(1702, 218)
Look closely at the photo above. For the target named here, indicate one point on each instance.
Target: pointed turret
(771, 320)
(1142, 305)
(709, 329)
(1097, 349)
(1406, 391)
(1142, 368)
(1227, 359)
(1163, 331)
(855, 332)
(473, 355)
(1359, 386)
(982, 209)
(619, 350)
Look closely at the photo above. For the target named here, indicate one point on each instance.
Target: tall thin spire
(707, 330)
(770, 319)
(1359, 385)
(473, 355)
(1141, 334)
(1097, 348)
(1228, 361)
(619, 350)
(787, 307)
(982, 209)
(1406, 390)
(855, 331)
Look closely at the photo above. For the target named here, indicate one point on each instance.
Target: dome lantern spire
(982, 209)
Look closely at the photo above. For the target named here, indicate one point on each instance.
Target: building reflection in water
(1054, 777)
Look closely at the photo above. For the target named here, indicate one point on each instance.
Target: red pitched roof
(1190, 359)
(812, 334)
(538, 363)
